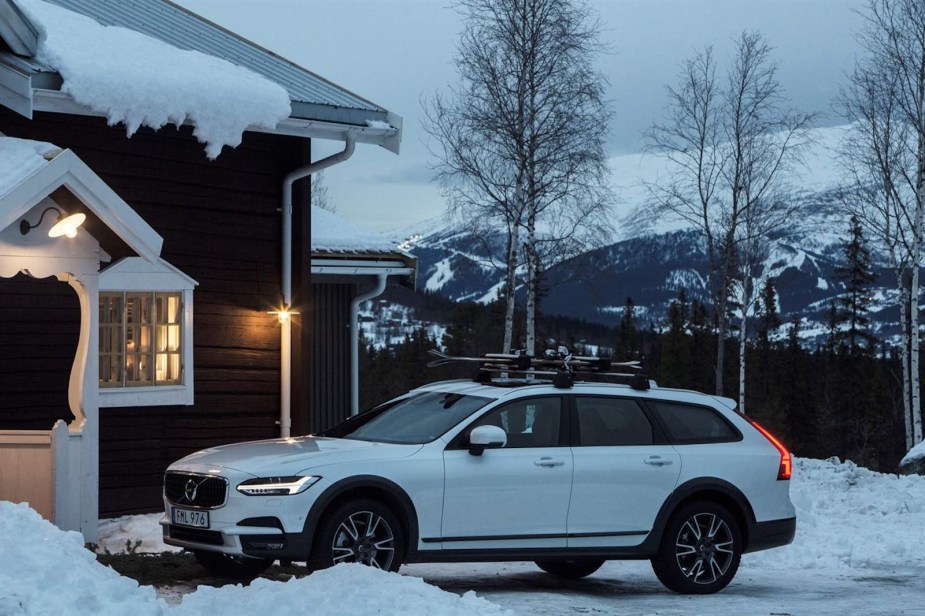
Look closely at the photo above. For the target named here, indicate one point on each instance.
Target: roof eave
(54, 101)
(16, 30)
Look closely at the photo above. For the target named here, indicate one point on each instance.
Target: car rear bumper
(771, 534)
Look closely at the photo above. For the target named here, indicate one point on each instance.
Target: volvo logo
(190, 490)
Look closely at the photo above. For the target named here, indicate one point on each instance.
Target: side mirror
(486, 437)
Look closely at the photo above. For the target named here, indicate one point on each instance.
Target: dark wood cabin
(221, 227)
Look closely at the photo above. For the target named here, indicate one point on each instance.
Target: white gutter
(355, 341)
(285, 346)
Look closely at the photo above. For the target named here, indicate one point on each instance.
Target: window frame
(134, 275)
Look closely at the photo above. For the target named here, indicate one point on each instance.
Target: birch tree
(521, 137)
(731, 145)
(886, 153)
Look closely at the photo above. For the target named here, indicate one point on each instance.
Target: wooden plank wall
(330, 362)
(26, 469)
(221, 226)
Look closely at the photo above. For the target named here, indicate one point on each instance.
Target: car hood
(289, 456)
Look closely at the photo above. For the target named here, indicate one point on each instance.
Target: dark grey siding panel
(329, 396)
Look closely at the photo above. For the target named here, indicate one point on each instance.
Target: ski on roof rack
(559, 364)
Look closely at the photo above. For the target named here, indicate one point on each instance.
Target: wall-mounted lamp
(283, 314)
(65, 225)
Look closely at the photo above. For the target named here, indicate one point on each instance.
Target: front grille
(192, 490)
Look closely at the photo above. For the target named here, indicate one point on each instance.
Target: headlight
(276, 486)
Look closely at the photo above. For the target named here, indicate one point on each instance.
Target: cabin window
(145, 335)
(141, 338)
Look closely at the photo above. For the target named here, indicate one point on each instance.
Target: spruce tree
(854, 303)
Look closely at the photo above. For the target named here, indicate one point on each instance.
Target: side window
(693, 424)
(528, 423)
(145, 334)
(611, 421)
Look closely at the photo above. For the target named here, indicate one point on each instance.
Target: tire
(571, 568)
(361, 531)
(235, 567)
(700, 549)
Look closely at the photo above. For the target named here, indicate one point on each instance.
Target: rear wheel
(571, 568)
(236, 567)
(700, 549)
(362, 531)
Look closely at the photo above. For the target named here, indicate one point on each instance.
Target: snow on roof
(141, 81)
(20, 158)
(331, 233)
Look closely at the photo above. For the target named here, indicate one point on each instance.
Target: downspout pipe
(355, 341)
(285, 350)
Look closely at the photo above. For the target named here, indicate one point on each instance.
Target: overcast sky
(395, 52)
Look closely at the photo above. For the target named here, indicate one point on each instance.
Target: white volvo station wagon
(508, 470)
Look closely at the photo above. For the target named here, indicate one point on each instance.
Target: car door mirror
(486, 437)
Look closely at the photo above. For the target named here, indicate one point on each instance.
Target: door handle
(548, 462)
(658, 461)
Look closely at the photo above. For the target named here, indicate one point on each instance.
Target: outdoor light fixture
(283, 314)
(65, 225)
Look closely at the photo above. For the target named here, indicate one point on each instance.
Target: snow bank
(851, 517)
(44, 570)
(916, 453)
(140, 534)
(20, 158)
(344, 589)
(47, 571)
(138, 80)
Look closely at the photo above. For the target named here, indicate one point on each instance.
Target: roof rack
(560, 367)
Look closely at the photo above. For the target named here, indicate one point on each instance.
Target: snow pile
(140, 534)
(20, 158)
(138, 80)
(331, 233)
(851, 517)
(916, 453)
(345, 589)
(44, 570)
(47, 571)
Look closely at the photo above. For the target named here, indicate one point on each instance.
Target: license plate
(185, 517)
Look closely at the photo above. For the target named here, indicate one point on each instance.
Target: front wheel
(235, 567)
(571, 568)
(361, 531)
(700, 549)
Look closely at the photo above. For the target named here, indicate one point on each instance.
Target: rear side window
(687, 424)
(611, 421)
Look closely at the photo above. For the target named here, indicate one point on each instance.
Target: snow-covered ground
(858, 550)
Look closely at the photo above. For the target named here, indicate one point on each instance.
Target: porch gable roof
(33, 181)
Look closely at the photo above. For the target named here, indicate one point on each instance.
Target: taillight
(786, 460)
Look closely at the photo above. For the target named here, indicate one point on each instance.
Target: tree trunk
(510, 286)
(906, 341)
(743, 339)
(532, 275)
(914, 331)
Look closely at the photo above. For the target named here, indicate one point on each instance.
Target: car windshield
(414, 420)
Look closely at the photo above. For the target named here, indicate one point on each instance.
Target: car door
(515, 496)
(623, 473)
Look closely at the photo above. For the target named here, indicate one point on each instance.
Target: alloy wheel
(364, 537)
(704, 548)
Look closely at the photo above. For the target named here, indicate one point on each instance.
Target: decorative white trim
(137, 274)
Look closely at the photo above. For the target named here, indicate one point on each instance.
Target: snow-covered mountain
(651, 259)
